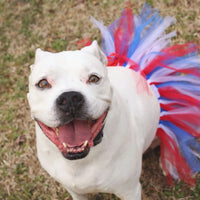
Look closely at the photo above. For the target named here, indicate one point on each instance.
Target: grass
(55, 26)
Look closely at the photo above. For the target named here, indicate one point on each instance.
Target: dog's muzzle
(76, 134)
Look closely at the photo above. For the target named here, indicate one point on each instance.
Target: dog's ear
(96, 51)
(39, 54)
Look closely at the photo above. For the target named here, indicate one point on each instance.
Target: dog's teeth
(57, 131)
(85, 144)
(74, 150)
(64, 144)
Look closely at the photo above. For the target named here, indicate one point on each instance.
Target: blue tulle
(147, 18)
(188, 145)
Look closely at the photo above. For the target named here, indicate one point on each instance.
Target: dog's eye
(93, 79)
(43, 84)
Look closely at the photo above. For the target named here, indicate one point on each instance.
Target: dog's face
(69, 96)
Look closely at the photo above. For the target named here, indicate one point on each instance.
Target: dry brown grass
(56, 25)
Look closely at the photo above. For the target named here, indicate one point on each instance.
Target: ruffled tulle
(141, 43)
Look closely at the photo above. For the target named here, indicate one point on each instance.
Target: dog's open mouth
(75, 139)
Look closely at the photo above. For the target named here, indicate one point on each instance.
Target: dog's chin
(74, 139)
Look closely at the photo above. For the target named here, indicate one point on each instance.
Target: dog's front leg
(76, 196)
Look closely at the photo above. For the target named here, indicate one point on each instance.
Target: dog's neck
(119, 114)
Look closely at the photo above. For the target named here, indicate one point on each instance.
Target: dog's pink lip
(75, 136)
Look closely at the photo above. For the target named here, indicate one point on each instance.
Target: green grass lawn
(56, 25)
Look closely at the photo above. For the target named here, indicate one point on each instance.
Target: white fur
(114, 165)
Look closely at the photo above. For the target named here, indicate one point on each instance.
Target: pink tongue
(75, 133)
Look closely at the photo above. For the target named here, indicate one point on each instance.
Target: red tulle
(171, 93)
(124, 31)
(114, 60)
(171, 106)
(181, 50)
(83, 43)
(184, 122)
(171, 53)
(170, 154)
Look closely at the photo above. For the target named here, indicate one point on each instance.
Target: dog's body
(132, 116)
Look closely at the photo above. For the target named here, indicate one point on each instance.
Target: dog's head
(69, 96)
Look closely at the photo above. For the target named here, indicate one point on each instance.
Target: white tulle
(107, 37)
(154, 41)
(181, 111)
(168, 132)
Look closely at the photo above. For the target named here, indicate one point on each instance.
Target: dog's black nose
(70, 102)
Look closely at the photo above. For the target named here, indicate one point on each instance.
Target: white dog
(93, 122)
